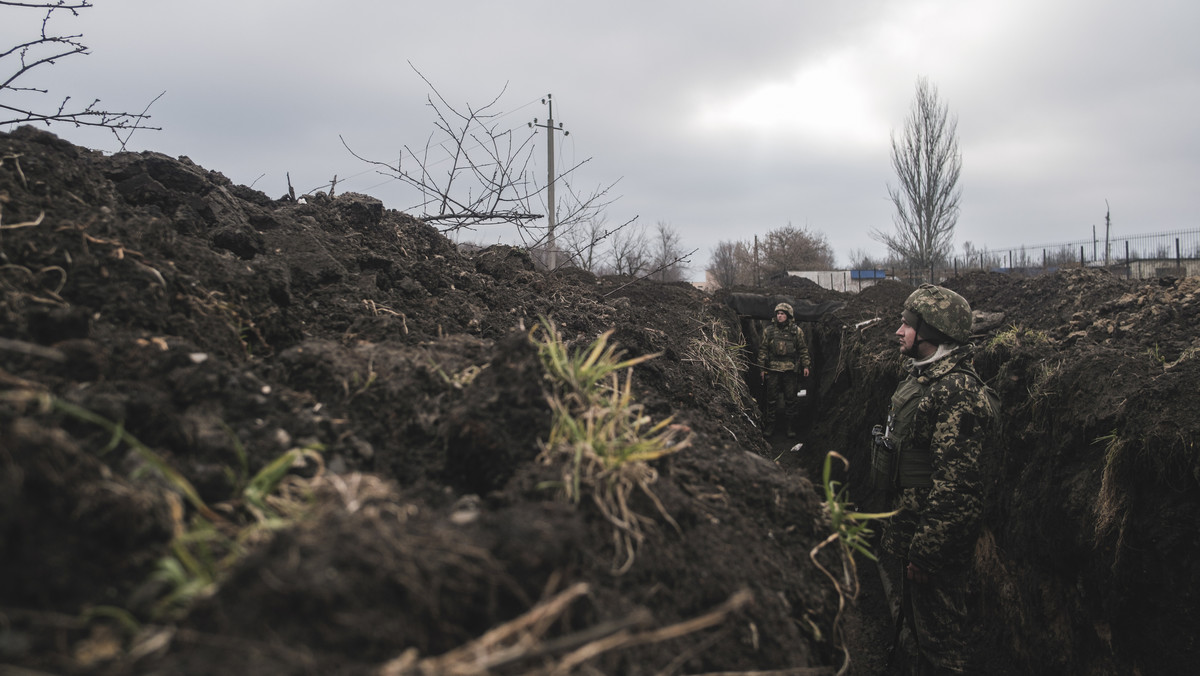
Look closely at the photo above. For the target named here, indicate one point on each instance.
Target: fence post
(1128, 267)
(1081, 257)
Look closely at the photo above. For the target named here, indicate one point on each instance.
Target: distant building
(710, 283)
(850, 281)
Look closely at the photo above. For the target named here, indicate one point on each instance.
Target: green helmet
(786, 308)
(943, 310)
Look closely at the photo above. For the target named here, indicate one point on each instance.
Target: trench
(1087, 563)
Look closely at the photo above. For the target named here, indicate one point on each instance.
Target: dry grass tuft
(724, 362)
(602, 437)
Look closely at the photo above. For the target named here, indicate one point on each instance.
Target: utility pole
(551, 248)
(1107, 232)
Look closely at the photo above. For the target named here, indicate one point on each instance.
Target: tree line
(753, 261)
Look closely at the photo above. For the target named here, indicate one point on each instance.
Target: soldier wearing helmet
(783, 357)
(928, 456)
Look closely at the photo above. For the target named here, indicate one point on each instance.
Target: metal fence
(1164, 254)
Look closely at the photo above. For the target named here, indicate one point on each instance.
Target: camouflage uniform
(783, 354)
(937, 422)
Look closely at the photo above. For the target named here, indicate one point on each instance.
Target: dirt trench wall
(225, 331)
(1090, 562)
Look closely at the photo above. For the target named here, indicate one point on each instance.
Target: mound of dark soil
(145, 298)
(164, 330)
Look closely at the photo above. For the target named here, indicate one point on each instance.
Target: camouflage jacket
(938, 523)
(784, 348)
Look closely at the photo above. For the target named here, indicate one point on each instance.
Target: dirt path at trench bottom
(241, 434)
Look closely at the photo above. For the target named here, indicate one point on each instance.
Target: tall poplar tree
(927, 163)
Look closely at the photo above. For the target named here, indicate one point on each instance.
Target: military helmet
(786, 307)
(941, 309)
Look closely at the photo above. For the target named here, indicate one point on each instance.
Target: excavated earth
(166, 335)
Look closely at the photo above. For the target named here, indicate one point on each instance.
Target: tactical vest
(783, 345)
(894, 465)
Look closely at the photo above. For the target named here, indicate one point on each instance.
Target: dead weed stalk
(1111, 502)
(523, 638)
(852, 533)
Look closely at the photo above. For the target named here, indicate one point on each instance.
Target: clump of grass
(119, 435)
(1157, 356)
(358, 384)
(205, 546)
(723, 360)
(213, 304)
(1019, 336)
(602, 437)
(1111, 500)
(1045, 378)
(204, 551)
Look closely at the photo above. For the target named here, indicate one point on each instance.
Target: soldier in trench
(928, 457)
(783, 358)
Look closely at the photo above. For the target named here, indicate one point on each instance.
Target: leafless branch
(685, 258)
(83, 4)
(46, 49)
(583, 241)
(137, 121)
(471, 173)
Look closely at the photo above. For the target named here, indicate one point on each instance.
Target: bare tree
(749, 263)
(927, 164)
(792, 248)
(782, 249)
(20, 103)
(488, 180)
(582, 243)
(582, 227)
(630, 252)
(723, 264)
(667, 254)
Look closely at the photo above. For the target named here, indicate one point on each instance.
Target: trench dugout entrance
(755, 312)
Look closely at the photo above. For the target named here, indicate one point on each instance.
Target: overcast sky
(723, 120)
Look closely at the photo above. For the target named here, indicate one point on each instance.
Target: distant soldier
(929, 453)
(783, 357)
